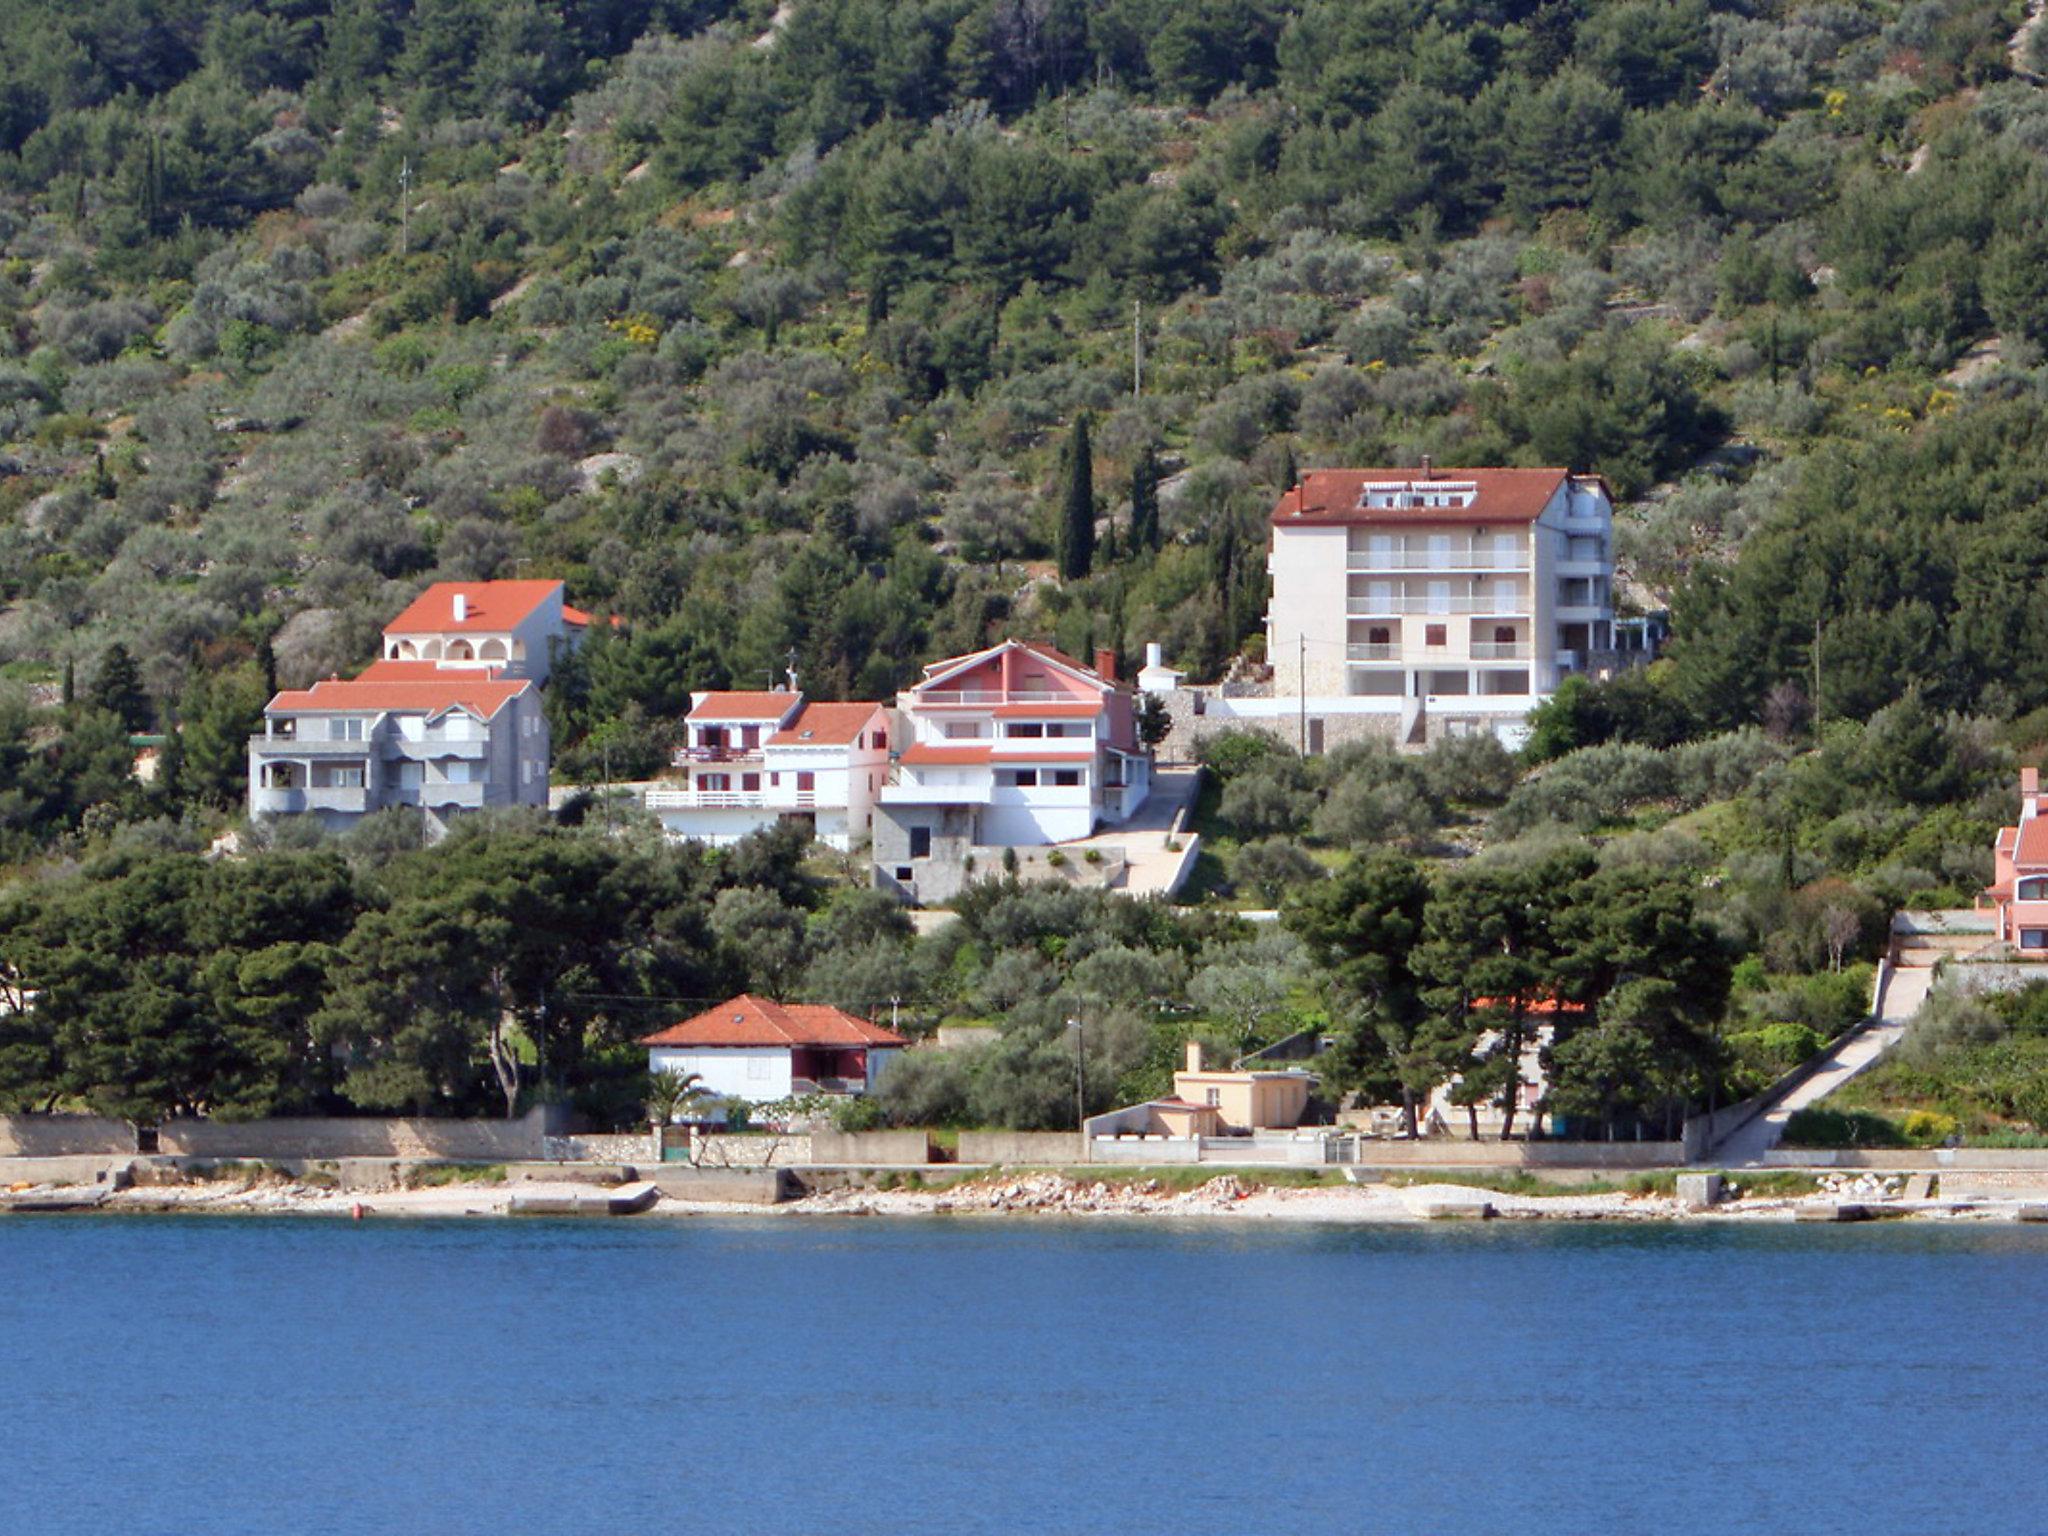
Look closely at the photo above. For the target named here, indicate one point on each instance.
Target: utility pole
(1080, 1075)
(1301, 685)
(405, 207)
(1137, 347)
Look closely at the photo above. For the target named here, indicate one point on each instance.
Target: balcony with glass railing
(1371, 605)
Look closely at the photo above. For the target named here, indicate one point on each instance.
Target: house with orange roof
(410, 734)
(1016, 745)
(516, 627)
(752, 759)
(2019, 882)
(757, 1049)
(1417, 602)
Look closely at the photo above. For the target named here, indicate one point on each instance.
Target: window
(714, 781)
(1213, 1097)
(2032, 888)
(806, 782)
(2034, 938)
(757, 1067)
(1379, 634)
(1435, 634)
(526, 772)
(527, 725)
(1066, 778)
(344, 730)
(1022, 778)
(961, 730)
(920, 845)
(1439, 597)
(905, 872)
(1503, 634)
(1027, 729)
(750, 782)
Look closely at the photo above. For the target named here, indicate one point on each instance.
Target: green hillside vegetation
(814, 332)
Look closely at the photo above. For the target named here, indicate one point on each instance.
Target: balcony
(1460, 557)
(1369, 652)
(1500, 650)
(802, 1085)
(906, 792)
(731, 754)
(301, 798)
(991, 696)
(1369, 607)
(727, 800)
(295, 747)
(438, 749)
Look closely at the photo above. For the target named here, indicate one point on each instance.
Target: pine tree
(266, 663)
(117, 688)
(1145, 502)
(1077, 507)
(70, 694)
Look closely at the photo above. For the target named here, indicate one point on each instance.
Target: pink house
(2019, 886)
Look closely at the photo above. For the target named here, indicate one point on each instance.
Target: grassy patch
(435, 1175)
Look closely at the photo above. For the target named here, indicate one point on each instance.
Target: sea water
(269, 1375)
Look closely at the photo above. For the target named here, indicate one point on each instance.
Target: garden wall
(1020, 1147)
(63, 1136)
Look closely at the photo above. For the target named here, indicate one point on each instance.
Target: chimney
(1155, 654)
(1428, 473)
(1194, 1056)
(1105, 663)
(2030, 793)
(461, 602)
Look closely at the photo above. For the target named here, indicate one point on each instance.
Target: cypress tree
(1145, 502)
(117, 688)
(70, 694)
(1077, 507)
(1289, 475)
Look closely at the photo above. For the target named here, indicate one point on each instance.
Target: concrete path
(1144, 837)
(1861, 1048)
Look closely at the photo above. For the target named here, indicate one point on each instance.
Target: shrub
(1841, 1128)
(1928, 1126)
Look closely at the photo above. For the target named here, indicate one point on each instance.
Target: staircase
(1902, 989)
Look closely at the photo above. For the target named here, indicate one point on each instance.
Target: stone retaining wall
(635, 1148)
(1054, 1147)
(484, 1141)
(64, 1136)
(901, 1147)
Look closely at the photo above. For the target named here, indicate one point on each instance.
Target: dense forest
(781, 330)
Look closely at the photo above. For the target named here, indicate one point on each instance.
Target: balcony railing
(999, 696)
(1365, 606)
(1370, 652)
(288, 746)
(727, 800)
(728, 754)
(1461, 557)
(1500, 650)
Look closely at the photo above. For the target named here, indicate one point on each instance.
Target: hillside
(767, 332)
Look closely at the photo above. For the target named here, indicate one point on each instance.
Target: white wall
(1310, 598)
(755, 1073)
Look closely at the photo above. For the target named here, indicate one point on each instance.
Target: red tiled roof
(1077, 709)
(389, 671)
(1044, 652)
(2032, 850)
(1331, 496)
(480, 694)
(825, 725)
(494, 606)
(750, 1020)
(577, 618)
(744, 706)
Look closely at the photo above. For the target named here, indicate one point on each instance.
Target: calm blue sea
(817, 1375)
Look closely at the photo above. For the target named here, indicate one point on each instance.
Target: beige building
(1466, 593)
(1240, 1101)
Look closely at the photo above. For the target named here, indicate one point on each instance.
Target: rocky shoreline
(1225, 1196)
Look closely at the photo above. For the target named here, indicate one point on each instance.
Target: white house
(760, 1050)
(1016, 745)
(1463, 593)
(752, 759)
(510, 626)
(403, 734)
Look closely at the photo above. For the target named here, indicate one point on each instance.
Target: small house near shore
(757, 1049)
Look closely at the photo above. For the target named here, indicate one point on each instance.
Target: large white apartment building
(1462, 593)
